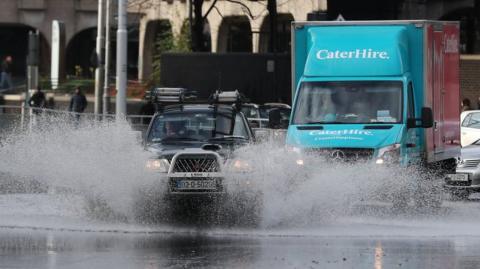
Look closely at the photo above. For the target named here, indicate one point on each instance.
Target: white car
(470, 127)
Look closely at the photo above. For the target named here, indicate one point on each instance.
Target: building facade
(231, 26)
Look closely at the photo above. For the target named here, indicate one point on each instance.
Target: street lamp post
(106, 96)
(99, 72)
(121, 101)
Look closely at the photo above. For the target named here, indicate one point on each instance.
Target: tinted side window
(466, 120)
(473, 121)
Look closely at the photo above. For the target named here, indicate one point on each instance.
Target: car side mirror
(274, 119)
(427, 117)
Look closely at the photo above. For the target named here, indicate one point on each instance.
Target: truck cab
(387, 92)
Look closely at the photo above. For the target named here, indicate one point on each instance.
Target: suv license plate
(458, 177)
(196, 185)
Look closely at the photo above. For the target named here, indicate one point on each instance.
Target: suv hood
(168, 150)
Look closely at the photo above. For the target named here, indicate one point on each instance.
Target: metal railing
(14, 116)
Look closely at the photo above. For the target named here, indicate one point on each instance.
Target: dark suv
(193, 147)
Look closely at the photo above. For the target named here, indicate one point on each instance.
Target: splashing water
(107, 160)
(101, 159)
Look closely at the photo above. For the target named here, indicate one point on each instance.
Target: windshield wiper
(228, 137)
(174, 138)
(325, 122)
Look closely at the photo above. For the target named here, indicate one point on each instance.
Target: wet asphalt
(44, 248)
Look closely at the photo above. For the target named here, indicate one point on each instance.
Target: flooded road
(68, 199)
(53, 249)
(36, 231)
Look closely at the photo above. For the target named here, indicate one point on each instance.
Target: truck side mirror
(427, 117)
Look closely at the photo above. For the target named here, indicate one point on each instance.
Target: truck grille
(196, 164)
(344, 154)
(471, 163)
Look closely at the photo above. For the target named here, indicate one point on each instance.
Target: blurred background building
(225, 26)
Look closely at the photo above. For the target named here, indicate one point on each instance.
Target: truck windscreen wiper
(325, 122)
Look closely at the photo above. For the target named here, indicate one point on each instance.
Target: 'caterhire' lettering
(354, 54)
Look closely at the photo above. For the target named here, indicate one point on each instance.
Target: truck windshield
(349, 102)
(196, 126)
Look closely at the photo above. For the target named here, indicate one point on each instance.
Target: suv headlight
(389, 154)
(158, 165)
(240, 166)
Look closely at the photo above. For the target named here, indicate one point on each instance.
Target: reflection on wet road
(51, 249)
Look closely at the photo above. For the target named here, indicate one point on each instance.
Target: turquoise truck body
(391, 71)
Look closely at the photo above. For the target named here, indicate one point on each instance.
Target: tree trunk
(272, 11)
(198, 39)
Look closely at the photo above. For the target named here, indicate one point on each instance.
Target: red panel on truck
(442, 90)
(451, 86)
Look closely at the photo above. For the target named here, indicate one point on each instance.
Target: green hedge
(68, 86)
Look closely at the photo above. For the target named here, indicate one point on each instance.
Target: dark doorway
(79, 53)
(14, 42)
(235, 35)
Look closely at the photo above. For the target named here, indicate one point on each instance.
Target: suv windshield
(349, 102)
(196, 126)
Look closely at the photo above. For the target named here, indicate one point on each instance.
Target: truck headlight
(158, 165)
(294, 149)
(389, 154)
(298, 151)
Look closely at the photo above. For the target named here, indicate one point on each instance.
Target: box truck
(382, 91)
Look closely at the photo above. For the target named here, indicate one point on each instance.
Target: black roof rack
(228, 97)
(170, 95)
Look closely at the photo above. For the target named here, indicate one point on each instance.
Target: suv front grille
(202, 163)
(343, 154)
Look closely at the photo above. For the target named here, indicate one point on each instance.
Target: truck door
(438, 91)
(413, 139)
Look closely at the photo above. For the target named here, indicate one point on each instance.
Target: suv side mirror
(427, 117)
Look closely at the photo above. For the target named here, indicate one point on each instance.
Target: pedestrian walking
(78, 103)
(466, 105)
(6, 74)
(37, 101)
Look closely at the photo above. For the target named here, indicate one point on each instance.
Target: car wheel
(459, 195)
